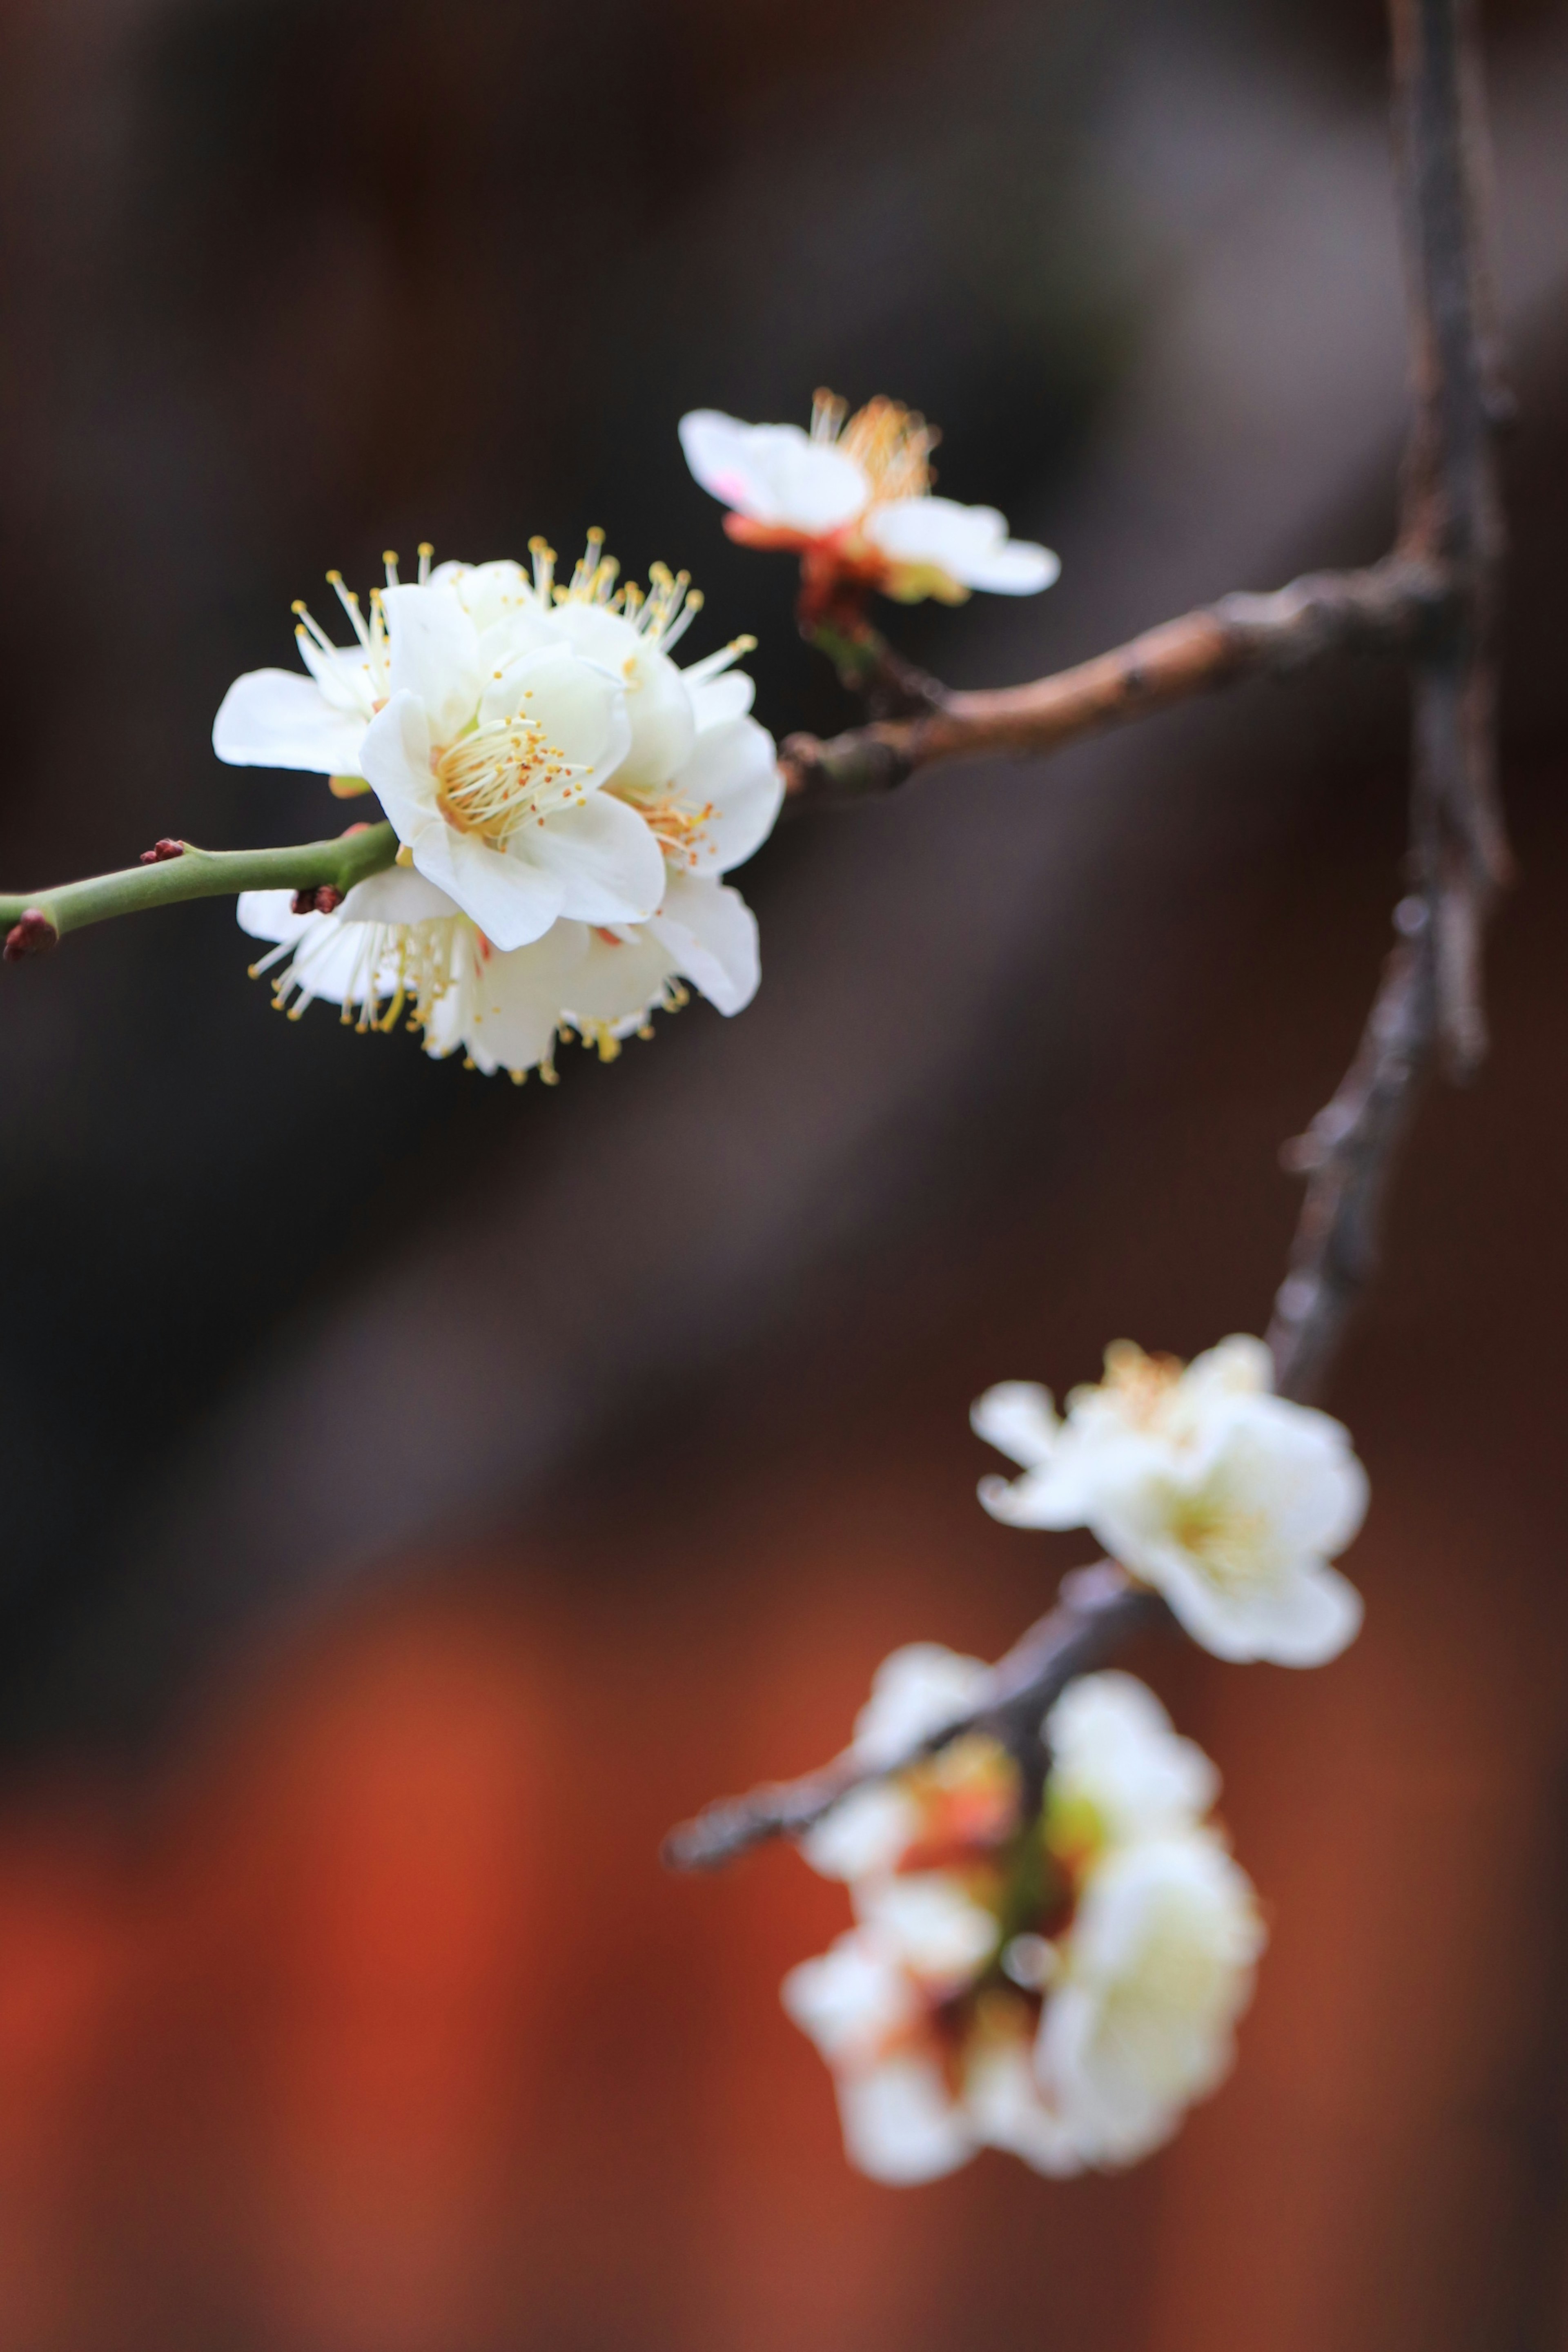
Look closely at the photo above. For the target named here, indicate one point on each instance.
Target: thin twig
(1392, 606)
(179, 870)
(1429, 1003)
(1098, 1609)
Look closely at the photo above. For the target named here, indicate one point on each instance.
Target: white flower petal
(850, 1999)
(915, 1691)
(1158, 1967)
(435, 656)
(733, 774)
(658, 707)
(609, 867)
(1019, 1418)
(581, 708)
(710, 936)
(269, 915)
(396, 895)
(715, 699)
(1303, 1617)
(900, 2122)
(773, 473)
(1002, 2101)
(968, 544)
(1113, 1748)
(396, 762)
(515, 1002)
(275, 718)
(866, 1832)
(927, 1922)
(619, 981)
(513, 901)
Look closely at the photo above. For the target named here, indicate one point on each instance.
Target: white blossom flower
(1061, 1987)
(1229, 1500)
(854, 496)
(693, 787)
(901, 2122)
(1158, 1967)
(399, 949)
(487, 754)
(1115, 1757)
(698, 768)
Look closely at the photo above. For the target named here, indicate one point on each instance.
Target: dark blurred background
(419, 1493)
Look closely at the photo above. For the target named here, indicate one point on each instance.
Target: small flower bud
(163, 850)
(34, 935)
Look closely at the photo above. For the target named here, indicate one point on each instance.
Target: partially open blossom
(539, 754)
(1061, 1984)
(1229, 1500)
(853, 497)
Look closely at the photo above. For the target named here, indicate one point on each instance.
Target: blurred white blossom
(852, 496)
(1062, 1986)
(1229, 1500)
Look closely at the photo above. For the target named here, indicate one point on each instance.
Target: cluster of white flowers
(853, 499)
(1062, 1984)
(1229, 1500)
(565, 796)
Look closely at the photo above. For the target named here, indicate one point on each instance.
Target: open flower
(1229, 1500)
(398, 949)
(696, 768)
(1155, 1973)
(695, 779)
(1062, 1983)
(488, 755)
(853, 497)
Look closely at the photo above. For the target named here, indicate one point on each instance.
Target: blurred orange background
(424, 1494)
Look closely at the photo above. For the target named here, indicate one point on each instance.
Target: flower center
(890, 443)
(501, 774)
(1226, 1539)
(676, 827)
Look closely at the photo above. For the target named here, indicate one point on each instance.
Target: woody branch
(1435, 597)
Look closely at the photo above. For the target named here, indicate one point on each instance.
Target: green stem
(208, 874)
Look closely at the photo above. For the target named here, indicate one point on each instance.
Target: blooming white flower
(1231, 1501)
(1115, 1755)
(398, 948)
(855, 498)
(1061, 1987)
(1159, 1966)
(488, 753)
(694, 779)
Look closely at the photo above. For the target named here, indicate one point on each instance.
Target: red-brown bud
(34, 935)
(161, 850)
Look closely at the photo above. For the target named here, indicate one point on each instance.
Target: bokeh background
(418, 1492)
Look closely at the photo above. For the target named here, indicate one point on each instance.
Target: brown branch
(1435, 597)
(1429, 1003)
(1394, 606)
(1097, 1610)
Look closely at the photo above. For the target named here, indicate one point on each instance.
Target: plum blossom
(853, 497)
(1061, 1985)
(539, 754)
(399, 950)
(1229, 1500)
(486, 752)
(693, 778)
